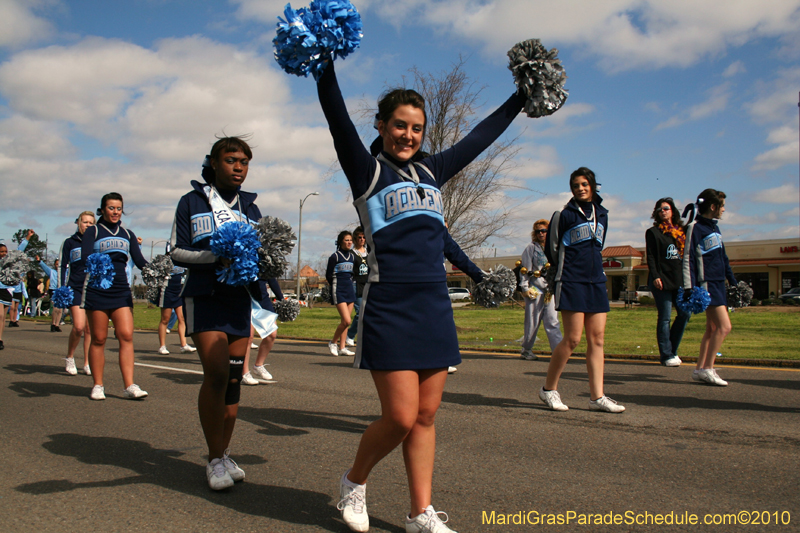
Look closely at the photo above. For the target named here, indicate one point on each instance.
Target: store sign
(612, 263)
(789, 249)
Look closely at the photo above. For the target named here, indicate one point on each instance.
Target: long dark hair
(589, 175)
(676, 216)
(707, 198)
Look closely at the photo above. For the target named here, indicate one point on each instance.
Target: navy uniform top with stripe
(706, 259)
(191, 240)
(339, 274)
(119, 244)
(582, 241)
(404, 232)
(72, 263)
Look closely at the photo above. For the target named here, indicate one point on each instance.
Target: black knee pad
(233, 392)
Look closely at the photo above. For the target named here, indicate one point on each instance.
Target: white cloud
(776, 105)
(537, 162)
(19, 24)
(737, 67)
(623, 34)
(785, 194)
(716, 102)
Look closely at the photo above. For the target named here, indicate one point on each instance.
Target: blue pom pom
(309, 37)
(238, 242)
(62, 297)
(696, 303)
(101, 271)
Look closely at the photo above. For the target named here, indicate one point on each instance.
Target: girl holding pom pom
(574, 244)
(73, 276)
(218, 314)
(407, 337)
(108, 237)
(708, 268)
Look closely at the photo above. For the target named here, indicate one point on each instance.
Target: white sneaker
(218, 476)
(452, 370)
(719, 381)
(711, 377)
(673, 361)
(696, 375)
(553, 399)
(70, 366)
(253, 346)
(528, 355)
(134, 392)
(353, 504)
(163, 350)
(604, 403)
(334, 349)
(428, 522)
(346, 351)
(188, 349)
(236, 473)
(261, 372)
(87, 370)
(98, 393)
(168, 331)
(247, 379)
(349, 342)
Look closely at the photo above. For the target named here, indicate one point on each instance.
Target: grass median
(758, 332)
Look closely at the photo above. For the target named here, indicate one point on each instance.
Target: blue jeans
(172, 319)
(351, 333)
(669, 338)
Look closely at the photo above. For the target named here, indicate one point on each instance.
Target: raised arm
(357, 163)
(450, 162)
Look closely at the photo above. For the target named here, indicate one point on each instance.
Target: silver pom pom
(496, 287)
(277, 241)
(14, 267)
(287, 310)
(540, 76)
(156, 275)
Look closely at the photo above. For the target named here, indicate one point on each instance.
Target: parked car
(643, 290)
(791, 294)
(458, 293)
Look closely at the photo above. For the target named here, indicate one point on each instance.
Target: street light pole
(300, 240)
(151, 247)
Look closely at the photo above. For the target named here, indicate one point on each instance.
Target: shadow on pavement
(42, 390)
(165, 468)
(289, 422)
(37, 369)
(479, 399)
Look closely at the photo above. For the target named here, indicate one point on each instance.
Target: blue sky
(666, 98)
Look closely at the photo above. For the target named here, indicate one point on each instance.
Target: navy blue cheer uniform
(210, 305)
(170, 296)
(575, 246)
(120, 245)
(705, 263)
(72, 267)
(405, 302)
(340, 277)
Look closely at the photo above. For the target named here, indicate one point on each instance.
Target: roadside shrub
(646, 300)
(755, 302)
(790, 301)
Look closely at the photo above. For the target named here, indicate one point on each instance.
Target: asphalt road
(71, 464)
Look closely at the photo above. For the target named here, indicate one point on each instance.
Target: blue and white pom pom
(156, 275)
(62, 297)
(277, 241)
(239, 243)
(310, 37)
(540, 76)
(696, 303)
(288, 310)
(13, 268)
(100, 270)
(497, 287)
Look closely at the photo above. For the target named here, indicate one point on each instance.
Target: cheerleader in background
(707, 266)
(170, 301)
(343, 295)
(7, 291)
(218, 316)
(73, 276)
(267, 342)
(115, 303)
(52, 275)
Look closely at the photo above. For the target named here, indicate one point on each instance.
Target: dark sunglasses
(665, 208)
(541, 230)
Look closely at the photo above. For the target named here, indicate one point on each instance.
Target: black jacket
(663, 259)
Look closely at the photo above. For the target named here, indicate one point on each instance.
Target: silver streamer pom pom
(740, 295)
(156, 275)
(540, 76)
(287, 310)
(14, 267)
(277, 241)
(496, 287)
